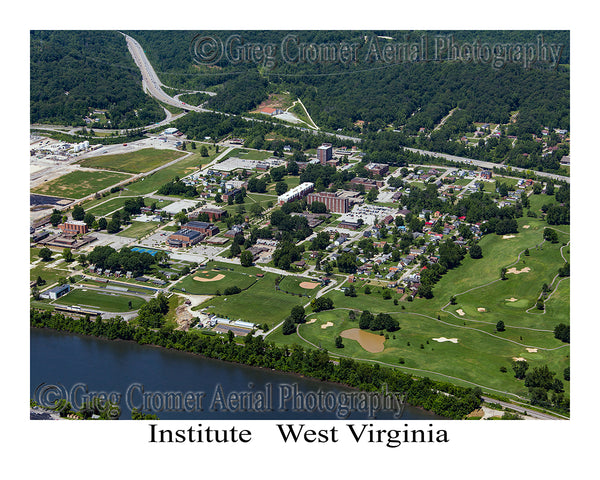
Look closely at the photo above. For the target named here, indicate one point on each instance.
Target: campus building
(74, 227)
(56, 292)
(214, 213)
(296, 193)
(378, 168)
(185, 238)
(366, 182)
(334, 202)
(206, 228)
(324, 153)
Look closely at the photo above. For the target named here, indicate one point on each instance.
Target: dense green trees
(381, 321)
(563, 332)
(321, 303)
(78, 213)
(246, 258)
(177, 187)
(76, 72)
(45, 254)
(124, 259)
(442, 398)
(475, 251)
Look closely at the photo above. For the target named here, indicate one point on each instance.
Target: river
(179, 385)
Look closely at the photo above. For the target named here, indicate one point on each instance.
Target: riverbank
(440, 398)
(327, 384)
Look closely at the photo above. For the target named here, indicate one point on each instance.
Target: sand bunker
(220, 276)
(531, 350)
(516, 272)
(508, 236)
(312, 320)
(525, 226)
(460, 312)
(519, 359)
(444, 339)
(512, 299)
(481, 309)
(309, 285)
(369, 341)
(328, 324)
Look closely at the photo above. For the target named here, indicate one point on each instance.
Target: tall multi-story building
(333, 201)
(324, 153)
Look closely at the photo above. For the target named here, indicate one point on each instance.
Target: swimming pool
(151, 251)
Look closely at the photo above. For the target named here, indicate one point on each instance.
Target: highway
(490, 165)
(153, 86)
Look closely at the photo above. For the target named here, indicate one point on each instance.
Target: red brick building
(366, 182)
(214, 213)
(324, 153)
(206, 228)
(378, 168)
(74, 227)
(333, 201)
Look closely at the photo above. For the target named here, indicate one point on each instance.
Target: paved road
(153, 86)
(523, 408)
(490, 165)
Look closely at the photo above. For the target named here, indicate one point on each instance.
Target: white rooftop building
(295, 193)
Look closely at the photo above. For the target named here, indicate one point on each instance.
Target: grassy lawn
(180, 169)
(476, 357)
(80, 184)
(248, 154)
(116, 203)
(134, 162)
(481, 351)
(110, 302)
(138, 229)
(292, 284)
(261, 303)
(228, 279)
(51, 275)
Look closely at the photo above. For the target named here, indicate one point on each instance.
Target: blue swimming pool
(151, 251)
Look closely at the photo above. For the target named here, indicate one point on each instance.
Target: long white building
(295, 193)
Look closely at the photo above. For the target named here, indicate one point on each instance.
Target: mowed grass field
(211, 285)
(480, 350)
(138, 229)
(291, 284)
(260, 303)
(109, 301)
(80, 184)
(111, 204)
(139, 161)
(183, 167)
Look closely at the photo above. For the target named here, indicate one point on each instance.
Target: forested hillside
(74, 73)
(408, 95)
